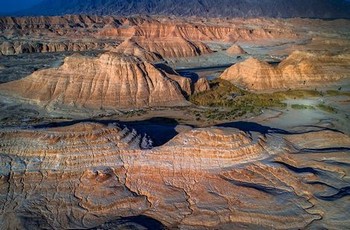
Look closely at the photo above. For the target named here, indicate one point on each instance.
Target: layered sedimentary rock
(211, 30)
(130, 47)
(167, 47)
(235, 50)
(19, 47)
(111, 81)
(299, 70)
(88, 174)
(172, 47)
(109, 29)
(201, 85)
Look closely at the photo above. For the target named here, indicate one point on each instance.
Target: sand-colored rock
(73, 28)
(173, 47)
(200, 30)
(201, 85)
(111, 81)
(299, 70)
(235, 50)
(155, 49)
(19, 47)
(85, 175)
(130, 47)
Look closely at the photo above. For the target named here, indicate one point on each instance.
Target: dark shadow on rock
(326, 150)
(320, 128)
(191, 75)
(300, 169)
(259, 187)
(135, 222)
(343, 192)
(165, 68)
(255, 127)
(159, 129)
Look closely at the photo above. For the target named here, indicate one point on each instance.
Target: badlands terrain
(160, 122)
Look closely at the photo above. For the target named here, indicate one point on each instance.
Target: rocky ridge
(174, 38)
(235, 50)
(20, 47)
(299, 70)
(110, 81)
(85, 175)
(202, 8)
(157, 49)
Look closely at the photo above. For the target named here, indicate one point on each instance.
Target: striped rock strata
(111, 81)
(299, 70)
(89, 175)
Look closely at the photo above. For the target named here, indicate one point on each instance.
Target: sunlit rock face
(173, 47)
(90, 175)
(235, 50)
(130, 47)
(20, 47)
(156, 49)
(65, 33)
(111, 81)
(299, 70)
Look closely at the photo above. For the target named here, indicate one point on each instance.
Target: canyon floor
(168, 123)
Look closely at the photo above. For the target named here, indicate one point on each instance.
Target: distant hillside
(203, 8)
(10, 6)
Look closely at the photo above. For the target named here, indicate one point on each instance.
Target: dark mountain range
(202, 8)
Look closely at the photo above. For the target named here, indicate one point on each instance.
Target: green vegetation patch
(226, 95)
(327, 108)
(298, 106)
(297, 94)
(228, 101)
(334, 93)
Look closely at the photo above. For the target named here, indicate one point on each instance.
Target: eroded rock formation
(299, 70)
(235, 50)
(167, 47)
(201, 85)
(130, 47)
(19, 47)
(111, 81)
(88, 174)
(211, 30)
(173, 47)
(167, 37)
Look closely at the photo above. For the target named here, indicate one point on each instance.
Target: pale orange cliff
(110, 81)
(85, 175)
(299, 70)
